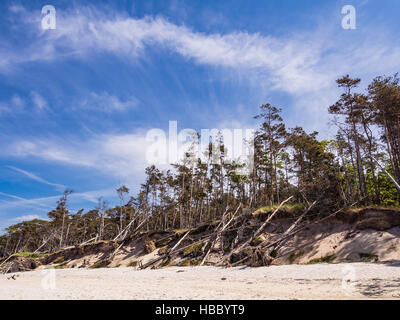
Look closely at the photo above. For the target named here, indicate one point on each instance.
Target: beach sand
(319, 281)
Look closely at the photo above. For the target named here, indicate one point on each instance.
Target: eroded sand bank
(321, 281)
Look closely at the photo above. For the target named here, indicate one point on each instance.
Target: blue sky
(76, 102)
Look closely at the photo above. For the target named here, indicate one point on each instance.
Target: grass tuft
(133, 263)
(295, 255)
(368, 257)
(326, 259)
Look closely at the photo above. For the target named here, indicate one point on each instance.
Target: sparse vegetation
(166, 262)
(294, 256)
(190, 262)
(163, 250)
(368, 257)
(61, 266)
(100, 264)
(294, 208)
(256, 241)
(194, 250)
(326, 259)
(59, 259)
(31, 255)
(133, 263)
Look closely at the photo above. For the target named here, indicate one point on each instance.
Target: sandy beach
(321, 281)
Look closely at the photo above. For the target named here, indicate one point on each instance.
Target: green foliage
(61, 266)
(194, 250)
(190, 262)
(256, 241)
(293, 208)
(166, 262)
(59, 259)
(32, 255)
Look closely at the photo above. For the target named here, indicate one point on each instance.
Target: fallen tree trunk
(176, 249)
(125, 229)
(218, 234)
(297, 222)
(168, 254)
(387, 173)
(260, 229)
(43, 244)
(306, 226)
(289, 234)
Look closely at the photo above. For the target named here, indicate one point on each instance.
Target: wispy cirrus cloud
(45, 204)
(303, 65)
(34, 177)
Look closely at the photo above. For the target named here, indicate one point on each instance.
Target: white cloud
(26, 218)
(121, 156)
(38, 101)
(304, 65)
(45, 204)
(104, 102)
(15, 105)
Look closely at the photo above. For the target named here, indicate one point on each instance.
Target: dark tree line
(361, 163)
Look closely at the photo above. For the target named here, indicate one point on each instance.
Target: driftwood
(218, 234)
